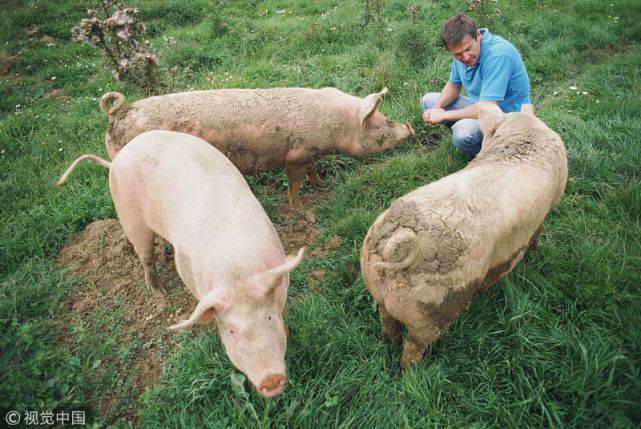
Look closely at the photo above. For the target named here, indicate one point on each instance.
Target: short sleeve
(454, 76)
(495, 77)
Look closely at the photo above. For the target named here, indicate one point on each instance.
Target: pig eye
(269, 317)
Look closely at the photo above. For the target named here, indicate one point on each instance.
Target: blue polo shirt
(498, 75)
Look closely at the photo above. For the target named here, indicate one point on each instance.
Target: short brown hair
(456, 28)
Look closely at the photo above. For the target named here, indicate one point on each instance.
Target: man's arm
(436, 116)
(449, 94)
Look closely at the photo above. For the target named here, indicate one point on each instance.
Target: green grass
(555, 344)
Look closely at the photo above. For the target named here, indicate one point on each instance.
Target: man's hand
(434, 116)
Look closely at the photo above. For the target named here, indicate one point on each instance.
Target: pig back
(190, 194)
(254, 128)
(458, 229)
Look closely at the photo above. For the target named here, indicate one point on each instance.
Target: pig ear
(204, 312)
(272, 278)
(527, 108)
(370, 104)
(490, 117)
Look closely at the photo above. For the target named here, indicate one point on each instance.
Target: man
(491, 71)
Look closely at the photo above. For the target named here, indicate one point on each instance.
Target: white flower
(53, 78)
(573, 88)
(60, 149)
(556, 92)
(584, 93)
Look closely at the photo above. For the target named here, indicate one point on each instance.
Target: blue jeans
(466, 133)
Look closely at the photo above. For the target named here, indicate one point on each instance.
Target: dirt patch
(34, 33)
(6, 63)
(112, 275)
(314, 278)
(297, 227)
(58, 94)
(112, 278)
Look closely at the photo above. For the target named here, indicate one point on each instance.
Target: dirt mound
(102, 257)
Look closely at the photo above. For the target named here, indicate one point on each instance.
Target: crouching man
(491, 71)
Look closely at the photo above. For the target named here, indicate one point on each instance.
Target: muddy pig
(261, 129)
(226, 249)
(432, 249)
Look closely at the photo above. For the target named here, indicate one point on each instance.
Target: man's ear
(272, 278)
(490, 117)
(204, 312)
(370, 104)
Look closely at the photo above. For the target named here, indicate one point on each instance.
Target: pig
(227, 251)
(428, 253)
(262, 129)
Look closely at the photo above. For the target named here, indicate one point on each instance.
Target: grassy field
(557, 343)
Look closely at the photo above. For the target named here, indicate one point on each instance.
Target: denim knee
(429, 100)
(467, 136)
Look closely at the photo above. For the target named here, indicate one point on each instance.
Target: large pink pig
(261, 129)
(227, 251)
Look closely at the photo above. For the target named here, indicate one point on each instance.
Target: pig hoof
(406, 361)
(317, 181)
(161, 290)
(411, 354)
(295, 203)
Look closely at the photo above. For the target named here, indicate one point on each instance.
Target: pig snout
(272, 385)
(401, 132)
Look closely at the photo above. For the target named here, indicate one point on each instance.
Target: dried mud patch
(112, 283)
(58, 94)
(297, 226)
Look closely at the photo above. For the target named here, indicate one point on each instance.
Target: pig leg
(418, 337)
(295, 174)
(142, 239)
(312, 175)
(391, 326)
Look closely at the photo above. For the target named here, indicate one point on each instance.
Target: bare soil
(6, 63)
(110, 273)
(58, 94)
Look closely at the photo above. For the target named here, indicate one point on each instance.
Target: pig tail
(111, 102)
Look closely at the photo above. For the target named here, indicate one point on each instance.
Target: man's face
(469, 50)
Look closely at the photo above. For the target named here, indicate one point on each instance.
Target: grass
(555, 344)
